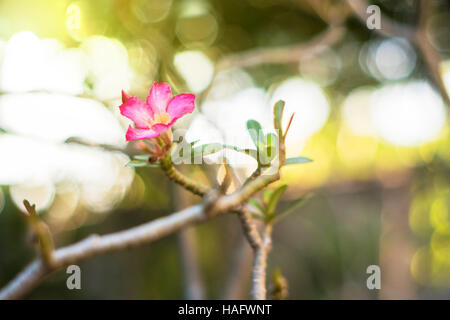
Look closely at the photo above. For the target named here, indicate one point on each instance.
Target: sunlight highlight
(195, 68)
(408, 114)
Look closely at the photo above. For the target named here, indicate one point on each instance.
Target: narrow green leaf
(271, 139)
(137, 163)
(266, 195)
(257, 205)
(142, 157)
(297, 160)
(292, 207)
(274, 198)
(271, 148)
(278, 114)
(257, 216)
(142, 161)
(256, 133)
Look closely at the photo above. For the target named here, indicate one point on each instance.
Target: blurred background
(370, 111)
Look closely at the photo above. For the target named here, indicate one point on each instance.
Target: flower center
(163, 118)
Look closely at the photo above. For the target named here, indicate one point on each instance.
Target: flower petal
(160, 127)
(159, 97)
(136, 110)
(180, 105)
(138, 134)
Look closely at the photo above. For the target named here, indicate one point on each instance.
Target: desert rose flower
(157, 114)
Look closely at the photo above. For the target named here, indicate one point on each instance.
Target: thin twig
(259, 290)
(176, 176)
(42, 233)
(254, 175)
(282, 55)
(429, 53)
(279, 55)
(249, 228)
(261, 248)
(329, 11)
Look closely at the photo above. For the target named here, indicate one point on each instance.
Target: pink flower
(157, 114)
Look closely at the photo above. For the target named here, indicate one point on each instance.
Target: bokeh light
(32, 64)
(408, 114)
(356, 112)
(197, 26)
(41, 195)
(196, 69)
(390, 59)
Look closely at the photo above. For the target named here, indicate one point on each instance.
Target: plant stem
(193, 186)
(259, 290)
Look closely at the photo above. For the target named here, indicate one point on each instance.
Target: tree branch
(429, 53)
(189, 184)
(249, 228)
(282, 55)
(259, 290)
(94, 245)
(261, 248)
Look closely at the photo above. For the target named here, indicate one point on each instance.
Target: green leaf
(142, 157)
(256, 133)
(271, 148)
(297, 160)
(257, 205)
(292, 206)
(257, 216)
(278, 114)
(274, 198)
(271, 139)
(266, 194)
(140, 163)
